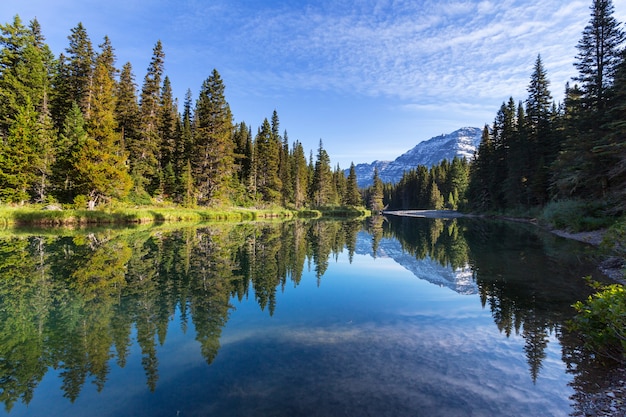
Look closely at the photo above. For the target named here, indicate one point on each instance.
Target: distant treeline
(76, 129)
(538, 150)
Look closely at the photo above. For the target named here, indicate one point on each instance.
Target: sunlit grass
(111, 215)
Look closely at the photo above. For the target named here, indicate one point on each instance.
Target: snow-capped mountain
(460, 280)
(462, 143)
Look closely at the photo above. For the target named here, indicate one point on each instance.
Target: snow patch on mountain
(462, 143)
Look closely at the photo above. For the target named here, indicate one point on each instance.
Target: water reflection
(526, 278)
(75, 304)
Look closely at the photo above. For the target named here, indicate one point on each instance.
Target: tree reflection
(75, 304)
(71, 303)
(510, 268)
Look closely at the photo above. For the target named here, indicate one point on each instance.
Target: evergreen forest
(538, 151)
(77, 130)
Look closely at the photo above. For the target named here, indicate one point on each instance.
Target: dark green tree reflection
(523, 277)
(78, 303)
(71, 303)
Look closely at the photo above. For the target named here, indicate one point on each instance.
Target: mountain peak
(462, 143)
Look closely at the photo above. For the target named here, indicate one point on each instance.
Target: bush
(576, 215)
(601, 321)
(615, 238)
(80, 202)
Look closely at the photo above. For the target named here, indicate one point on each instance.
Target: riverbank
(55, 216)
(611, 266)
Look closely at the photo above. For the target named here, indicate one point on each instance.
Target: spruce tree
(267, 158)
(144, 152)
(127, 107)
(598, 57)
(584, 167)
(80, 60)
(72, 139)
(353, 195)
(101, 162)
(243, 152)
(285, 172)
(616, 145)
(299, 176)
(168, 132)
(482, 174)
(213, 147)
(340, 184)
(18, 156)
(321, 191)
(375, 201)
(25, 71)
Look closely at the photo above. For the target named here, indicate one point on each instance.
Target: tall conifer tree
(127, 107)
(80, 62)
(584, 168)
(101, 162)
(213, 148)
(353, 195)
(144, 152)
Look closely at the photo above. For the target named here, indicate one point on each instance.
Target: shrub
(80, 202)
(576, 215)
(615, 238)
(601, 321)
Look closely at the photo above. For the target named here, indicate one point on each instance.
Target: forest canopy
(76, 129)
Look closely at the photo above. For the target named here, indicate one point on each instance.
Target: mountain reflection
(73, 303)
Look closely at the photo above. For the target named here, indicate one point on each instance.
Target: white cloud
(430, 50)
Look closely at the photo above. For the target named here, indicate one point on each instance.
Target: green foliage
(442, 186)
(576, 215)
(213, 151)
(80, 202)
(601, 321)
(615, 238)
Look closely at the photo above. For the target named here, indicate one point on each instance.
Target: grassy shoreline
(16, 216)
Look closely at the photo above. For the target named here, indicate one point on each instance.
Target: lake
(383, 317)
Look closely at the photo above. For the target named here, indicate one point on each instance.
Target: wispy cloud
(408, 50)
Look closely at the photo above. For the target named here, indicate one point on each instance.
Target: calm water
(396, 317)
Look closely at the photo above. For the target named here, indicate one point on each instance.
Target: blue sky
(370, 78)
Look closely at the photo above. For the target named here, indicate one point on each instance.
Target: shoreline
(611, 266)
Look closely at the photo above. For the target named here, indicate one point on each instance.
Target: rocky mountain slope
(462, 142)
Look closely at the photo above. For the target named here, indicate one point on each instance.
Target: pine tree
(144, 152)
(213, 147)
(72, 139)
(168, 132)
(322, 176)
(127, 107)
(299, 176)
(101, 162)
(597, 62)
(375, 202)
(267, 158)
(18, 156)
(353, 195)
(80, 61)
